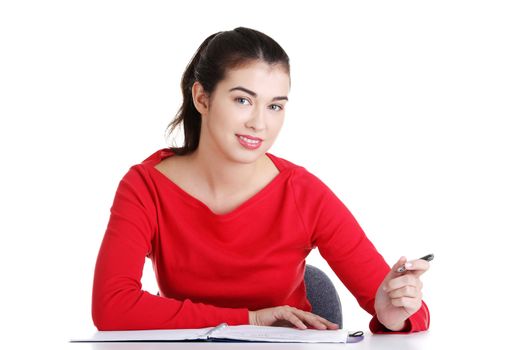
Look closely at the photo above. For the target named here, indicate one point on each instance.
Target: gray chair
(323, 296)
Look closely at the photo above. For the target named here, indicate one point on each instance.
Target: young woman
(228, 225)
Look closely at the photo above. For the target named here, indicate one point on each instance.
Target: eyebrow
(250, 92)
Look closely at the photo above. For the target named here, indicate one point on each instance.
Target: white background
(412, 112)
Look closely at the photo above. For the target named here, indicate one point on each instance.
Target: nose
(256, 120)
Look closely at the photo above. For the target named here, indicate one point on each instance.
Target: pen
(217, 328)
(428, 257)
(221, 326)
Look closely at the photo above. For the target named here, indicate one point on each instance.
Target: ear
(200, 98)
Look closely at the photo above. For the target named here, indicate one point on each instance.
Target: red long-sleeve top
(213, 268)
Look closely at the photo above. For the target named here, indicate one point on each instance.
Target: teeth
(249, 140)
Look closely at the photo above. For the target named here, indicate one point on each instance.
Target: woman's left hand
(399, 296)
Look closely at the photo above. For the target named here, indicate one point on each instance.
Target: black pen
(428, 257)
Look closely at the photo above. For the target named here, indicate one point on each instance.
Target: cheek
(275, 123)
(231, 114)
(222, 116)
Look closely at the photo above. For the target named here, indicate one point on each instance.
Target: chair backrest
(323, 296)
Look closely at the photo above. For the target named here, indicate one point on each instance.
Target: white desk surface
(414, 341)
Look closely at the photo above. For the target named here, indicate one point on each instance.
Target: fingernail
(408, 264)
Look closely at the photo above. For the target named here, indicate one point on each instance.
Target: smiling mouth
(249, 137)
(251, 141)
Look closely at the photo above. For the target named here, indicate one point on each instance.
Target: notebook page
(281, 334)
(148, 335)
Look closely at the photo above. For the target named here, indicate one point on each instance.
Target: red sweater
(214, 268)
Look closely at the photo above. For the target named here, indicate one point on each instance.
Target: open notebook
(223, 332)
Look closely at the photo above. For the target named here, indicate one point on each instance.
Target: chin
(247, 156)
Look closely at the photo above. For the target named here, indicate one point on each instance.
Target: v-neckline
(232, 213)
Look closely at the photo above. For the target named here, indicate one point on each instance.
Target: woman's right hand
(285, 315)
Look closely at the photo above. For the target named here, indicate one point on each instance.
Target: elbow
(107, 316)
(117, 311)
(109, 319)
(103, 317)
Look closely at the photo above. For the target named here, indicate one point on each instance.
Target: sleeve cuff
(419, 321)
(239, 317)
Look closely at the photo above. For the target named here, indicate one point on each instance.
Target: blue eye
(241, 99)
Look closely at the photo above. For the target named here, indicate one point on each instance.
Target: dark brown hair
(218, 53)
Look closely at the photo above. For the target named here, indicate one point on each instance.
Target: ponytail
(187, 115)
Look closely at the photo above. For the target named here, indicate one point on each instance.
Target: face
(243, 116)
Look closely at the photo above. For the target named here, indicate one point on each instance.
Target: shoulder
(157, 156)
(141, 169)
(302, 179)
(307, 185)
(282, 163)
(138, 176)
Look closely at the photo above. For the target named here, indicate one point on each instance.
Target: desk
(414, 341)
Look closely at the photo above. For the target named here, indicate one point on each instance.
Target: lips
(250, 137)
(249, 142)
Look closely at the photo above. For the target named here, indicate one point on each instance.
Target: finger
(417, 267)
(285, 313)
(291, 317)
(327, 323)
(314, 320)
(406, 291)
(417, 264)
(398, 266)
(393, 272)
(317, 321)
(299, 317)
(332, 325)
(411, 304)
(401, 281)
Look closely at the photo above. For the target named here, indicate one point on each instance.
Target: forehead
(261, 77)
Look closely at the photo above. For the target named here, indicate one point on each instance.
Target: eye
(280, 108)
(240, 99)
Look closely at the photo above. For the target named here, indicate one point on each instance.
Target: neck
(222, 176)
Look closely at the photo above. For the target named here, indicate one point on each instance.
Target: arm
(344, 245)
(118, 303)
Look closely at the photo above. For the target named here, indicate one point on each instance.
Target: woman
(228, 225)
